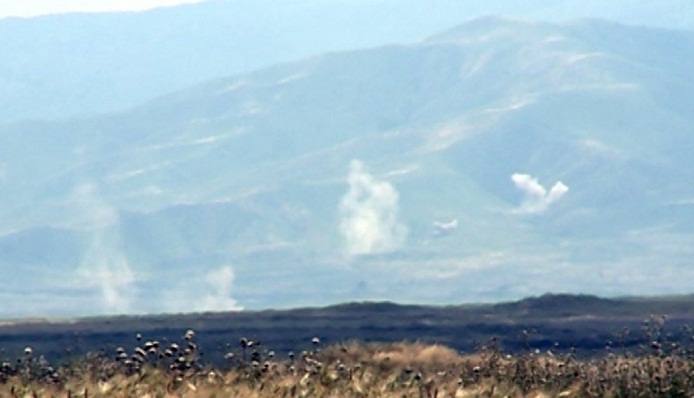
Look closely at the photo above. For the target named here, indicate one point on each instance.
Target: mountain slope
(492, 161)
(60, 66)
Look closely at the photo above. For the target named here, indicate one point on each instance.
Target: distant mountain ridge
(63, 66)
(588, 326)
(497, 160)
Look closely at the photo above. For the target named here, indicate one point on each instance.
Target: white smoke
(209, 292)
(369, 214)
(220, 283)
(537, 198)
(443, 228)
(105, 267)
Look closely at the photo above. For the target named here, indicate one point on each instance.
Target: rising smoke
(369, 214)
(537, 199)
(445, 228)
(105, 266)
(203, 292)
(220, 283)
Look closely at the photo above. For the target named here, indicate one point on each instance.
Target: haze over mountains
(65, 65)
(494, 160)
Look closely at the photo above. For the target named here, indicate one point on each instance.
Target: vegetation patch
(352, 369)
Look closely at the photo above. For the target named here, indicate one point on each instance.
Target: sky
(31, 8)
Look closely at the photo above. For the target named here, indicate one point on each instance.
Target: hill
(493, 161)
(60, 66)
(560, 323)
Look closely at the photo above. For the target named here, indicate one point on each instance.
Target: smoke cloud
(369, 214)
(207, 292)
(537, 198)
(445, 228)
(220, 283)
(105, 267)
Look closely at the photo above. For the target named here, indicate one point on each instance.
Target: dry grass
(352, 370)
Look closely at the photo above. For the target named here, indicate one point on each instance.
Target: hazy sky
(28, 8)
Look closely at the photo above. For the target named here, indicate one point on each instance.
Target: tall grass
(352, 369)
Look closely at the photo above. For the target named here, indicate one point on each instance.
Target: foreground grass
(350, 370)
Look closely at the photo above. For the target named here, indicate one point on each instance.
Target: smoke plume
(445, 228)
(203, 292)
(105, 267)
(218, 298)
(537, 198)
(369, 214)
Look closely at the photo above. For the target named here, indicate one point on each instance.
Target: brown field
(551, 346)
(353, 369)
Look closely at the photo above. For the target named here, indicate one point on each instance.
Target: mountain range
(61, 66)
(495, 160)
